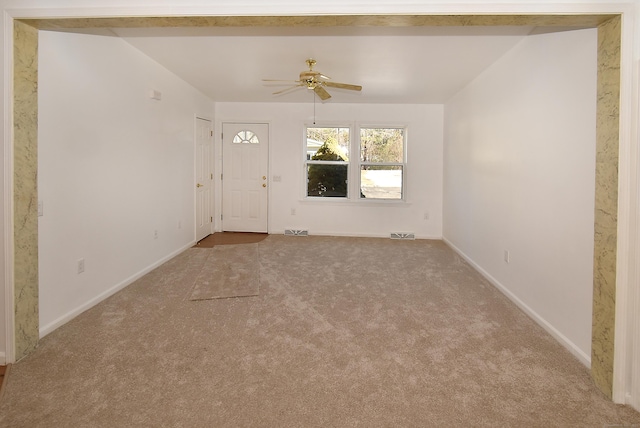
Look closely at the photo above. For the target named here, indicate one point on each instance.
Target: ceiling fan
(316, 81)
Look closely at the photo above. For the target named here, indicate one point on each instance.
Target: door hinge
(212, 133)
(211, 219)
(220, 216)
(212, 175)
(222, 136)
(220, 176)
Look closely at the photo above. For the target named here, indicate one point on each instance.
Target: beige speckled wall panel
(320, 21)
(606, 205)
(607, 146)
(25, 170)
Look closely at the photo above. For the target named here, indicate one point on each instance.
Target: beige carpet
(345, 333)
(228, 271)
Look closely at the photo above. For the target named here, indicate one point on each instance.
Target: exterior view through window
(379, 156)
(327, 162)
(381, 163)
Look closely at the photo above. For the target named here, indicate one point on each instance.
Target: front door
(204, 178)
(245, 160)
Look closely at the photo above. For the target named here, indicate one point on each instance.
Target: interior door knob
(199, 185)
(264, 184)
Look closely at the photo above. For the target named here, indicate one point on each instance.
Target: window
(245, 137)
(381, 163)
(378, 162)
(327, 164)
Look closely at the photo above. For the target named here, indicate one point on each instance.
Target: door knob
(264, 177)
(264, 185)
(199, 185)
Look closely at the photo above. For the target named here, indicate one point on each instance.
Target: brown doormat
(229, 271)
(4, 374)
(230, 238)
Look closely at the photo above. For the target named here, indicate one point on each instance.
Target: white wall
(519, 166)
(114, 166)
(328, 216)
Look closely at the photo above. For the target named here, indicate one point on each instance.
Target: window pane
(381, 182)
(381, 145)
(328, 144)
(327, 180)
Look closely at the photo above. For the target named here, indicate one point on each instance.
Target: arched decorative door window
(246, 137)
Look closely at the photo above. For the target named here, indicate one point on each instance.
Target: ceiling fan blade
(343, 86)
(287, 90)
(322, 93)
(280, 82)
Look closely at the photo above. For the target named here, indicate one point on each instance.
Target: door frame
(627, 131)
(219, 193)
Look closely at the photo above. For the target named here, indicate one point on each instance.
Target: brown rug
(230, 238)
(229, 271)
(4, 374)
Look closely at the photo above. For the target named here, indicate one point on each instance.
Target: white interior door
(204, 178)
(245, 162)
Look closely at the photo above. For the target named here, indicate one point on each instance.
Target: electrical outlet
(155, 234)
(293, 211)
(506, 256)
(179, 224)
(80, 265)
(426, 215)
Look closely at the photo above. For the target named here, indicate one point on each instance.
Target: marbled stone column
(25, 197)
(606, 205)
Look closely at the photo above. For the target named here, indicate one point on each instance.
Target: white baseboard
(356, 235)
(564, 341)
(44, 330)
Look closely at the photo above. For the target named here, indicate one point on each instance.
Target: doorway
(245, 164)
(204, 178)
(21, 261)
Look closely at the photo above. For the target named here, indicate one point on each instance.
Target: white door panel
(204, 178)
(245, 159)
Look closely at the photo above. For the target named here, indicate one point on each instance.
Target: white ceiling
(393, 65)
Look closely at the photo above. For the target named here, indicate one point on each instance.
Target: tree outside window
(327, 162)
(381, 163)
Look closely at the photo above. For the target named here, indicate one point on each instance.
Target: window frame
(402, 165)
(308, 161)
(354, 163)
